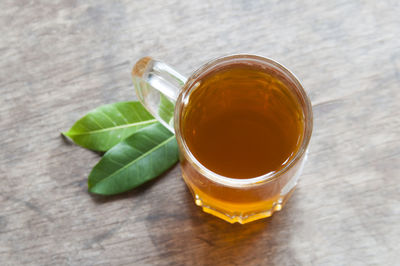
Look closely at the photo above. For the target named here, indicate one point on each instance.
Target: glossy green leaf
(109, 124)
(139, 158)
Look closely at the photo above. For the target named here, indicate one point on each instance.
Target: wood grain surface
(60, 59)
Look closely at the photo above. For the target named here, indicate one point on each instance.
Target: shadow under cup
(241, 199)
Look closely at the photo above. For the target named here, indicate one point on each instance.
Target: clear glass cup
(157, 83)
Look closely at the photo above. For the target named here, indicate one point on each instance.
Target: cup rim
(223, 61)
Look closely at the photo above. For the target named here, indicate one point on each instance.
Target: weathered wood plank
(61, 59)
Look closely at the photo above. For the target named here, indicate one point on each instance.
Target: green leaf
(134, 161)
(109, 124)
(166, 110)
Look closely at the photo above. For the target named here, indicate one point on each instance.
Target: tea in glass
(241, 123)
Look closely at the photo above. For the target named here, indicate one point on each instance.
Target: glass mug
(268, 123)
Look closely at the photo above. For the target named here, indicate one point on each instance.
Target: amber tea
(242, 123)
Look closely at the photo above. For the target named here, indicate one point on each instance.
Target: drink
(241, 122)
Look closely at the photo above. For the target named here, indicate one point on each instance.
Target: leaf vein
(108, 117)
(122, 115)
(151, 121)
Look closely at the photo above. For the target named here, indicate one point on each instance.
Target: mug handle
(157, 87)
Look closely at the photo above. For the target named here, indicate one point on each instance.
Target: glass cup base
(234, 212)
(270, 208)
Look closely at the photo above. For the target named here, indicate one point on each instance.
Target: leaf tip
(91, 187)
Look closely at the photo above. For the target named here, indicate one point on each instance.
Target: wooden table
(60, 59)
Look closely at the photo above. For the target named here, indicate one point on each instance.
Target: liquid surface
(242, 122)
